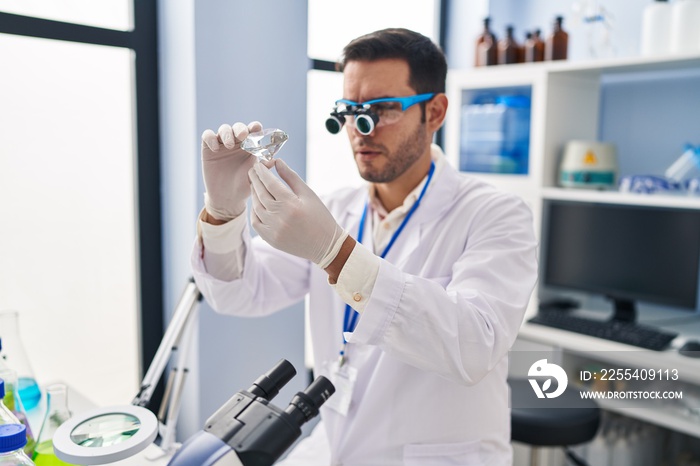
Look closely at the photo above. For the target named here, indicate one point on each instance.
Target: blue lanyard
(350, 319)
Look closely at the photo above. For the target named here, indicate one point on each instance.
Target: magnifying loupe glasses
(366, 116)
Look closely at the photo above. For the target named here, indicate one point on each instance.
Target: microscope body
(248, 430)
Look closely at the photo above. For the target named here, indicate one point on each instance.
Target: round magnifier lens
(364, 124)
(105, 435)
(105, 430)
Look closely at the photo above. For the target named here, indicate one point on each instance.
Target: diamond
(266, 143)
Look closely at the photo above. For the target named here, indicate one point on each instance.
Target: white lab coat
(431, 345)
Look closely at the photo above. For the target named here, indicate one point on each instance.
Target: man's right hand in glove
(225, 168)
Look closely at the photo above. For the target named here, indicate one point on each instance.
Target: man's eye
(385, 107)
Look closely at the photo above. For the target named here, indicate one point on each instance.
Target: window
(79, 183)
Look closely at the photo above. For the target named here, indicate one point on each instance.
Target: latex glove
(225, 168)
(291, 217)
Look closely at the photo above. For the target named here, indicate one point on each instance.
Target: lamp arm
(186, 306)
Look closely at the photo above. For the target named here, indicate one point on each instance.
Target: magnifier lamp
(106, 435)
(247, 430)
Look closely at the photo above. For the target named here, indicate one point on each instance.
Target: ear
(436, 111)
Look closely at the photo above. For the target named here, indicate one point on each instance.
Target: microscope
(248, 430)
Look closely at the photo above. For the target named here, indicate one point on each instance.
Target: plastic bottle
(557, 44)
(508, 48)
(14, 404)
(686, 166)
(534, 48)
(685, 33)
(15, 357)
(656, 28)
(486, 47)
(6, 416)
(12, 441)
(56, 414)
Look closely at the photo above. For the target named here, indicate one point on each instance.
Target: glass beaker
(15, 357)
(6, 416)
(56, 414)
(14, 403)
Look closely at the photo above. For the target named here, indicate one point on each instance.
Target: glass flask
(14, 403)
(56, 414)
(13, 438)
(6, 416)
(15, 357)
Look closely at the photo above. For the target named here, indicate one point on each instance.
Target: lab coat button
(387, 226)
(357, 297)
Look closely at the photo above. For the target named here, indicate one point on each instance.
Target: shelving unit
(566, 105)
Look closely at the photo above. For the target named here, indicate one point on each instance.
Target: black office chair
(551, 422)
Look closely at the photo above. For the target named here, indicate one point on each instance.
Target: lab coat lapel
(437, 200)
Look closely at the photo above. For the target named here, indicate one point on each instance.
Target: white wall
(179, 169)
(222, 62)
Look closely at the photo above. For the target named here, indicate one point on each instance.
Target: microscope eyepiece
(269, 384)
(305, 405)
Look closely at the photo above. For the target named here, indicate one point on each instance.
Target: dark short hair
(426, 61)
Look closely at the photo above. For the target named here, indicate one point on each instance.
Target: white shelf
(615, 197)
(599, 66)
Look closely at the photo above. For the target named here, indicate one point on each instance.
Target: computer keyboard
(622, 332)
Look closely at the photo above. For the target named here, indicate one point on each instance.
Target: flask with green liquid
(56, 414)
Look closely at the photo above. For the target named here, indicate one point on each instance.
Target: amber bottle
(557, 44)
(534, 48)
(486, 43)
(508, 48)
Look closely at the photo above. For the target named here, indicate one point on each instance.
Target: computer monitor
(627, 253)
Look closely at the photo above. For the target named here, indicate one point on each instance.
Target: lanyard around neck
(350, 319)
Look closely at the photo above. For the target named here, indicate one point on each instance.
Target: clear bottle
(656, 28)
(12, 440)
(56, 414)
(486, 46)
(557, 44)
(534, 48)
(508, 48)
(6, 416)
(685, 34)
(14, 404)
(15, 357)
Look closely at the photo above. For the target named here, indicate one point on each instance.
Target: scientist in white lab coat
(418, 281)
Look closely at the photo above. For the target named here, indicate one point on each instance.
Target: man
(438, 266)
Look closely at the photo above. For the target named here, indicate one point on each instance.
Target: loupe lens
(364, 124)
(334, 124)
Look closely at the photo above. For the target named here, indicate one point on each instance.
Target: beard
(410, 150)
